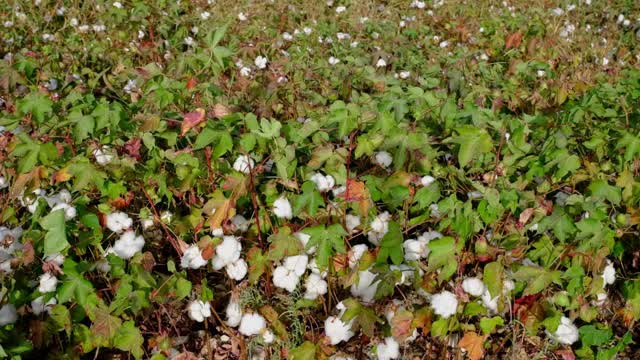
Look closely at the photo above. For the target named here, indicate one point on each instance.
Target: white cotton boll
(56, 258)
(282, 208)
(146, 223)
(304, 239)
(567, 332)
(217, 232)
(285, 279)
(234, 314)
(4, 183)
(70, 212)
(103, 155)
(48, 283)
(268, 337)
(227, 252)
(444, 304)
(243, 164)
(352, 222)
(252, 324)
(473, 286)
(245, 71)
(189, 41)
(404, 74)
(261, 62)
(315, 286)
(241, 223)
(205, 15)
(380, 223)
(490, 303)
(406, 273)
(366, 287)
(128, 245)
(192, 258)
(609, 274)
(388, 349)
(103, 266)
(383, 159)
(8, 314)
(166, 216)
(339, 190)
(337, 330)
(601, 299)
(242, 16)
(38, 305)
(118, 221)
(340, 9)
(297, 264)
(199, 310)
(356, 253)
(323, 182)
(381, 63)
(508, 286)
(415, 249)
(286, 36)
(427, 180)
(333, 60)
(237, 270)
(313, 266)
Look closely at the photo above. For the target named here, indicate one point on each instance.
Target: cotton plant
(39, 306)
(366, 286)
(103, 155)
(315, 286)
(47, 283)
(234, 313)
(416, 249)
(287, 276)
(4, 183)
(383, 158)
(282, 208)
(566, 333)
(118, 222)
(304, 239)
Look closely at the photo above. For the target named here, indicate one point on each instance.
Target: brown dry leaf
(472, 343)
(185, 356)
(513, 40)
(525, 216)
(220, 111)
(192, 120)
(62, 175)
(227, 209)
(401, 325)
(357, 192)
(23, 180)
(28, 254)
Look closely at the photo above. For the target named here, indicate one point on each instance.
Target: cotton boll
(48, 283)
(102, 155)
(261, 62)
(243, 164)
(383, 159)
(388, 349)
(128, 245)
(336, 330)
(333, 61)
(4, 183)
(473, 286)
(282, 208)
(406, 273)
(315, 286)
(567, 332)
(234, 314)
(313, 266)
(381, 63)
(323, 182)
(227, 252)
(415, 249)
(444, 304)
(297, 264)
(304, 239)
(352, 222)
(8, 314)
(366, 287)
(490, 303)
(192, 258)
(217, 232)
(601, 299)
(199, 310)
(166, 217)
(69, 211)
(237, 270)
(285, 279)
(241, 223)
(427, 180)
(609, 274)
(103, 266)
(356, 253)
(381, 223)
(118, 221)
(252, 324)
(508, 286)
(38, 305)
(268, 337)
(56, 258)
(427, 236)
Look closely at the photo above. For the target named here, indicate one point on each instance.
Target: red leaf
(514, 40)
(132, 148)
(191, 83)
(192, 120)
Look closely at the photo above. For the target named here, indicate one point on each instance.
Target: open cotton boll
(415, 249)
(315, 286)
(285, 278)
(227, 252)
(427, 180)
(268, 337)
(192, 258)
(352, 222)
(199, 310)
(56, 258)
(69, 211)
(473, 286)
(609, 274)
(490, 303)
(282, 208)
(366, 287)
(388, 349)
(8, 314)
(234, 314)
(324, 183)
(383, 159)
(244, 164)
(118, 222)
(237, 270)
(103, 155)
(444, 304)
(567, 332)
(406, 273)
(4, 183)
(261, 62)
(508, 286)
(38, 305)
(252, 324)
(313, 266)
(601, 299)
(356, 253)
(128, 245)
(297, 264)
(337, 330)
(241, 223)
(304, 239)
(380, 223)
(48, 283)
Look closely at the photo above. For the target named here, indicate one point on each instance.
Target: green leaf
(537, 278)
(473, 141)
(391, 245)
(225, 144)
(183, 288)
(310, 199)
(55, 239)
(488, 325)
(631, 144)
(258, 264)
(61, 318)
(36, 104)
(75, 286)
(84, 125)
(104, 326)
(600, 189)
(443, 256)
(590, 335)
(306, 351)
(328, 240)
(128, 338)
(206, 137)
(493, 278)
(283, 244)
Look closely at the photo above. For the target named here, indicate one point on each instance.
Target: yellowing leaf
(472, 344)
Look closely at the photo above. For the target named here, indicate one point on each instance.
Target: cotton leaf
(472, 343)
